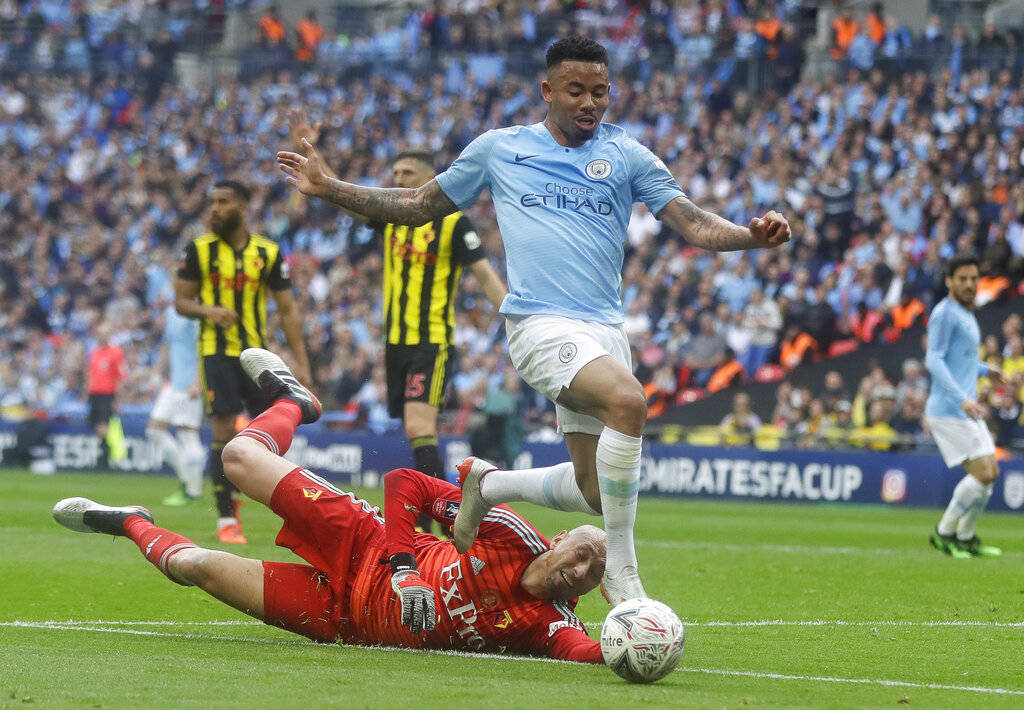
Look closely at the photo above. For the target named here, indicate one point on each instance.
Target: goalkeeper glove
(419, 608)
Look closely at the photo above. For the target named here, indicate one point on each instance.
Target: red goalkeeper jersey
(481, 605)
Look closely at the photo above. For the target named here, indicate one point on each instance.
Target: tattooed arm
(397, 205)
(709, 231)
(390, 204)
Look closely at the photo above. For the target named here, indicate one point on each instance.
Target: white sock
(552, 487)
(193, 456)
(965, 528)
(967, 491)
(168, 448)
(224, 522)
(618, 476)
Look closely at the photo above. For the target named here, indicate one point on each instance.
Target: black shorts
(101, 409)
(417, 373)
(228, 389)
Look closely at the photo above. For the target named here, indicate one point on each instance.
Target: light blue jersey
(180, 334)
(952, 359)
(562, 212)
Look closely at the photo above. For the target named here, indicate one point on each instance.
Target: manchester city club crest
(567, 352)
(598, 169)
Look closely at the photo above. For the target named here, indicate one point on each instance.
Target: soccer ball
(642, 640)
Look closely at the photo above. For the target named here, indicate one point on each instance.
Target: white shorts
(177, 408)
(549, 351)
(961, 440)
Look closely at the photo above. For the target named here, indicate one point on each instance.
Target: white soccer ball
(642, 640)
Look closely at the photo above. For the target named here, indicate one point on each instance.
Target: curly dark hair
(576, 48)
(960, 260)
(241, 191)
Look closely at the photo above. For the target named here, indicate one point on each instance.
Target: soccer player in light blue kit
(562, 190)
(955, 417)
(179, 405)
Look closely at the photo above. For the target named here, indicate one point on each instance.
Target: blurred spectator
(308, 36)
(271, 27)
(729, 373)
(499, 437)
(914, 382)
(706, 352)
(844, 29)
(763, 320)
(739, 425)
(877, 434)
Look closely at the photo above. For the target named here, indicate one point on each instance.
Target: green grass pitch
(785, 606)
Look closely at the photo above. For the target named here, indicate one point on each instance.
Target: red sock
(157, 544)
(276, 426)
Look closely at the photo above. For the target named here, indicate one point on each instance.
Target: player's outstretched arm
(397, 205)
(709, 231)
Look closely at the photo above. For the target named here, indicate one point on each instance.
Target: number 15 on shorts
(414, 385)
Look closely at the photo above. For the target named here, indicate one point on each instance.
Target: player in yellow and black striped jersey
(422, 268)
(224, 279)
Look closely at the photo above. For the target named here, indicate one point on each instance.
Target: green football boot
(179, 498)
(948, 544)
(976, 548)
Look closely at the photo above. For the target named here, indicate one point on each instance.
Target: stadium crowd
(883, 174)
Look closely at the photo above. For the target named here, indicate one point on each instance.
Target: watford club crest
(312, 493)
(503, 620)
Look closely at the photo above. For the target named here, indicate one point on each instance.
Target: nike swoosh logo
(150, 545)
(521, 158)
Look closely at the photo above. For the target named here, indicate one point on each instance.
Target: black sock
(427, 456)
(104, 460)
(222, 487)
(428, 460)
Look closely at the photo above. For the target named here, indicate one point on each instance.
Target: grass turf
(860, 612)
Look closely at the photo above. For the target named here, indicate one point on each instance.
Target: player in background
(372, 581)
(563, 192)
(223, 281)
(179, 406)
(105, 371)
(955, 417)
(422, 268)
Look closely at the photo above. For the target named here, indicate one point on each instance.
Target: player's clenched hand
(419, 608)
(306, 173)
(771, 230)
(222, 316)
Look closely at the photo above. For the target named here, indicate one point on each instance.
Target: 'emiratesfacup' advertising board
(826, 476)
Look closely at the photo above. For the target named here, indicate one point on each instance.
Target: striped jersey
(236, 279)
(480, 603)
(422, 267)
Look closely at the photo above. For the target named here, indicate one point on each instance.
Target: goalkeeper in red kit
(372, 580)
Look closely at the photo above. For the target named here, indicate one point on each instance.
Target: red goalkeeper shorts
(335, 532)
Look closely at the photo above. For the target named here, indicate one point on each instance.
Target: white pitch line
(837, 622)
(924, 551)
(855, 681)
(589, 624)
(115, 622)
(58, 626)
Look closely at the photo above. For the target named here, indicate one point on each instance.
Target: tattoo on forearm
(396, 205)
(704, 229)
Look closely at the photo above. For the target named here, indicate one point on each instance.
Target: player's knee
(191, 565)
(235, 456)
(990, 472)
(627, 408)
(415, 429)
